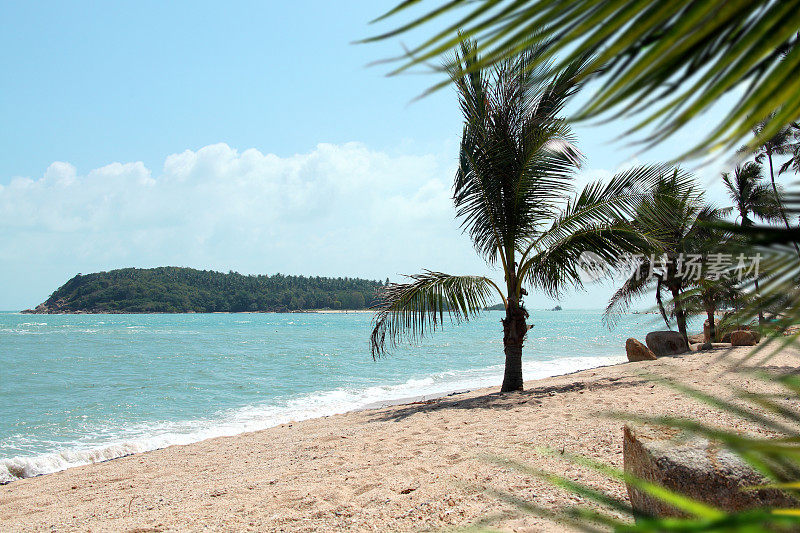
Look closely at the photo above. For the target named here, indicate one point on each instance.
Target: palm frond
(595, 220)
(517, 158)
(634, 287)
(412, 309)
(665, 62)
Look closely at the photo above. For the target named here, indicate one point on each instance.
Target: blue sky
(243, 136)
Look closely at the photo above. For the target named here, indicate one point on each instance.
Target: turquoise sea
(76, 389)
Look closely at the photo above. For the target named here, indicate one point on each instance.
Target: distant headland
(187, 290)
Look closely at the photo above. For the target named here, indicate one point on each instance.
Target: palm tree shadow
(498, 400)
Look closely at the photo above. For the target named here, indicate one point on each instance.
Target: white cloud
(338, 210)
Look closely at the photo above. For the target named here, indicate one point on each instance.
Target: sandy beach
(410, 467)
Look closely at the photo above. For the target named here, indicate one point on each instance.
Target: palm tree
(708, 295)
(793, 149)
(769, 146)
(512, 192)
(673, 212)
(751, 197)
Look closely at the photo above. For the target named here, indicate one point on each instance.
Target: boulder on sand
(666, 343)
(743, 338)
(740, 327)
(637, 351)
(695, 468)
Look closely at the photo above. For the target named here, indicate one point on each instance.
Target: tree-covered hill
(182, 290)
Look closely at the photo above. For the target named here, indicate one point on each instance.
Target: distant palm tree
(708, 296)
(513, 193)
(750, 197)
(674, 213)
(777, 145)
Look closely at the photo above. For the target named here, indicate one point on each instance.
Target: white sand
(400, 468)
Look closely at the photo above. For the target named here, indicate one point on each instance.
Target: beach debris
(695, 468)
(666, 343)
(636, 351)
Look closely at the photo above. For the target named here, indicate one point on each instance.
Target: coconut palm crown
(682, 224)
(751, 197)
(513, 193)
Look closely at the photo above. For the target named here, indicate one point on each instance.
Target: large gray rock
(694, 468)
(637, 351)
(666, 343)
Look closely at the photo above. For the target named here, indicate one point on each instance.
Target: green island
(188, 290)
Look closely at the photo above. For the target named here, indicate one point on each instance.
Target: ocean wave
(146, 437)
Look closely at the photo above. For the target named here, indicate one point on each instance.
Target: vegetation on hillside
(182, 290)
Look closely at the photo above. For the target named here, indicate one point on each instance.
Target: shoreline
(111, 312)
(16, 468)
(403, 467)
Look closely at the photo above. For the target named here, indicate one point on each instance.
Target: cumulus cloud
(337, 210)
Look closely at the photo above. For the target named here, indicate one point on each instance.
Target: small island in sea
(187, 290)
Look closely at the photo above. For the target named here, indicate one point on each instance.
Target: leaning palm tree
(674, 213)
(793, 150)
(513, 194)
(712, 290)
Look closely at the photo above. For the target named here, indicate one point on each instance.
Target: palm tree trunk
(712, 329)
(514, 330)
(758, 303)
(680, 314)
(778, 199)
(660, 302)
(746, 223)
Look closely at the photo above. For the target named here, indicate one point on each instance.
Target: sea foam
(146, 437)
